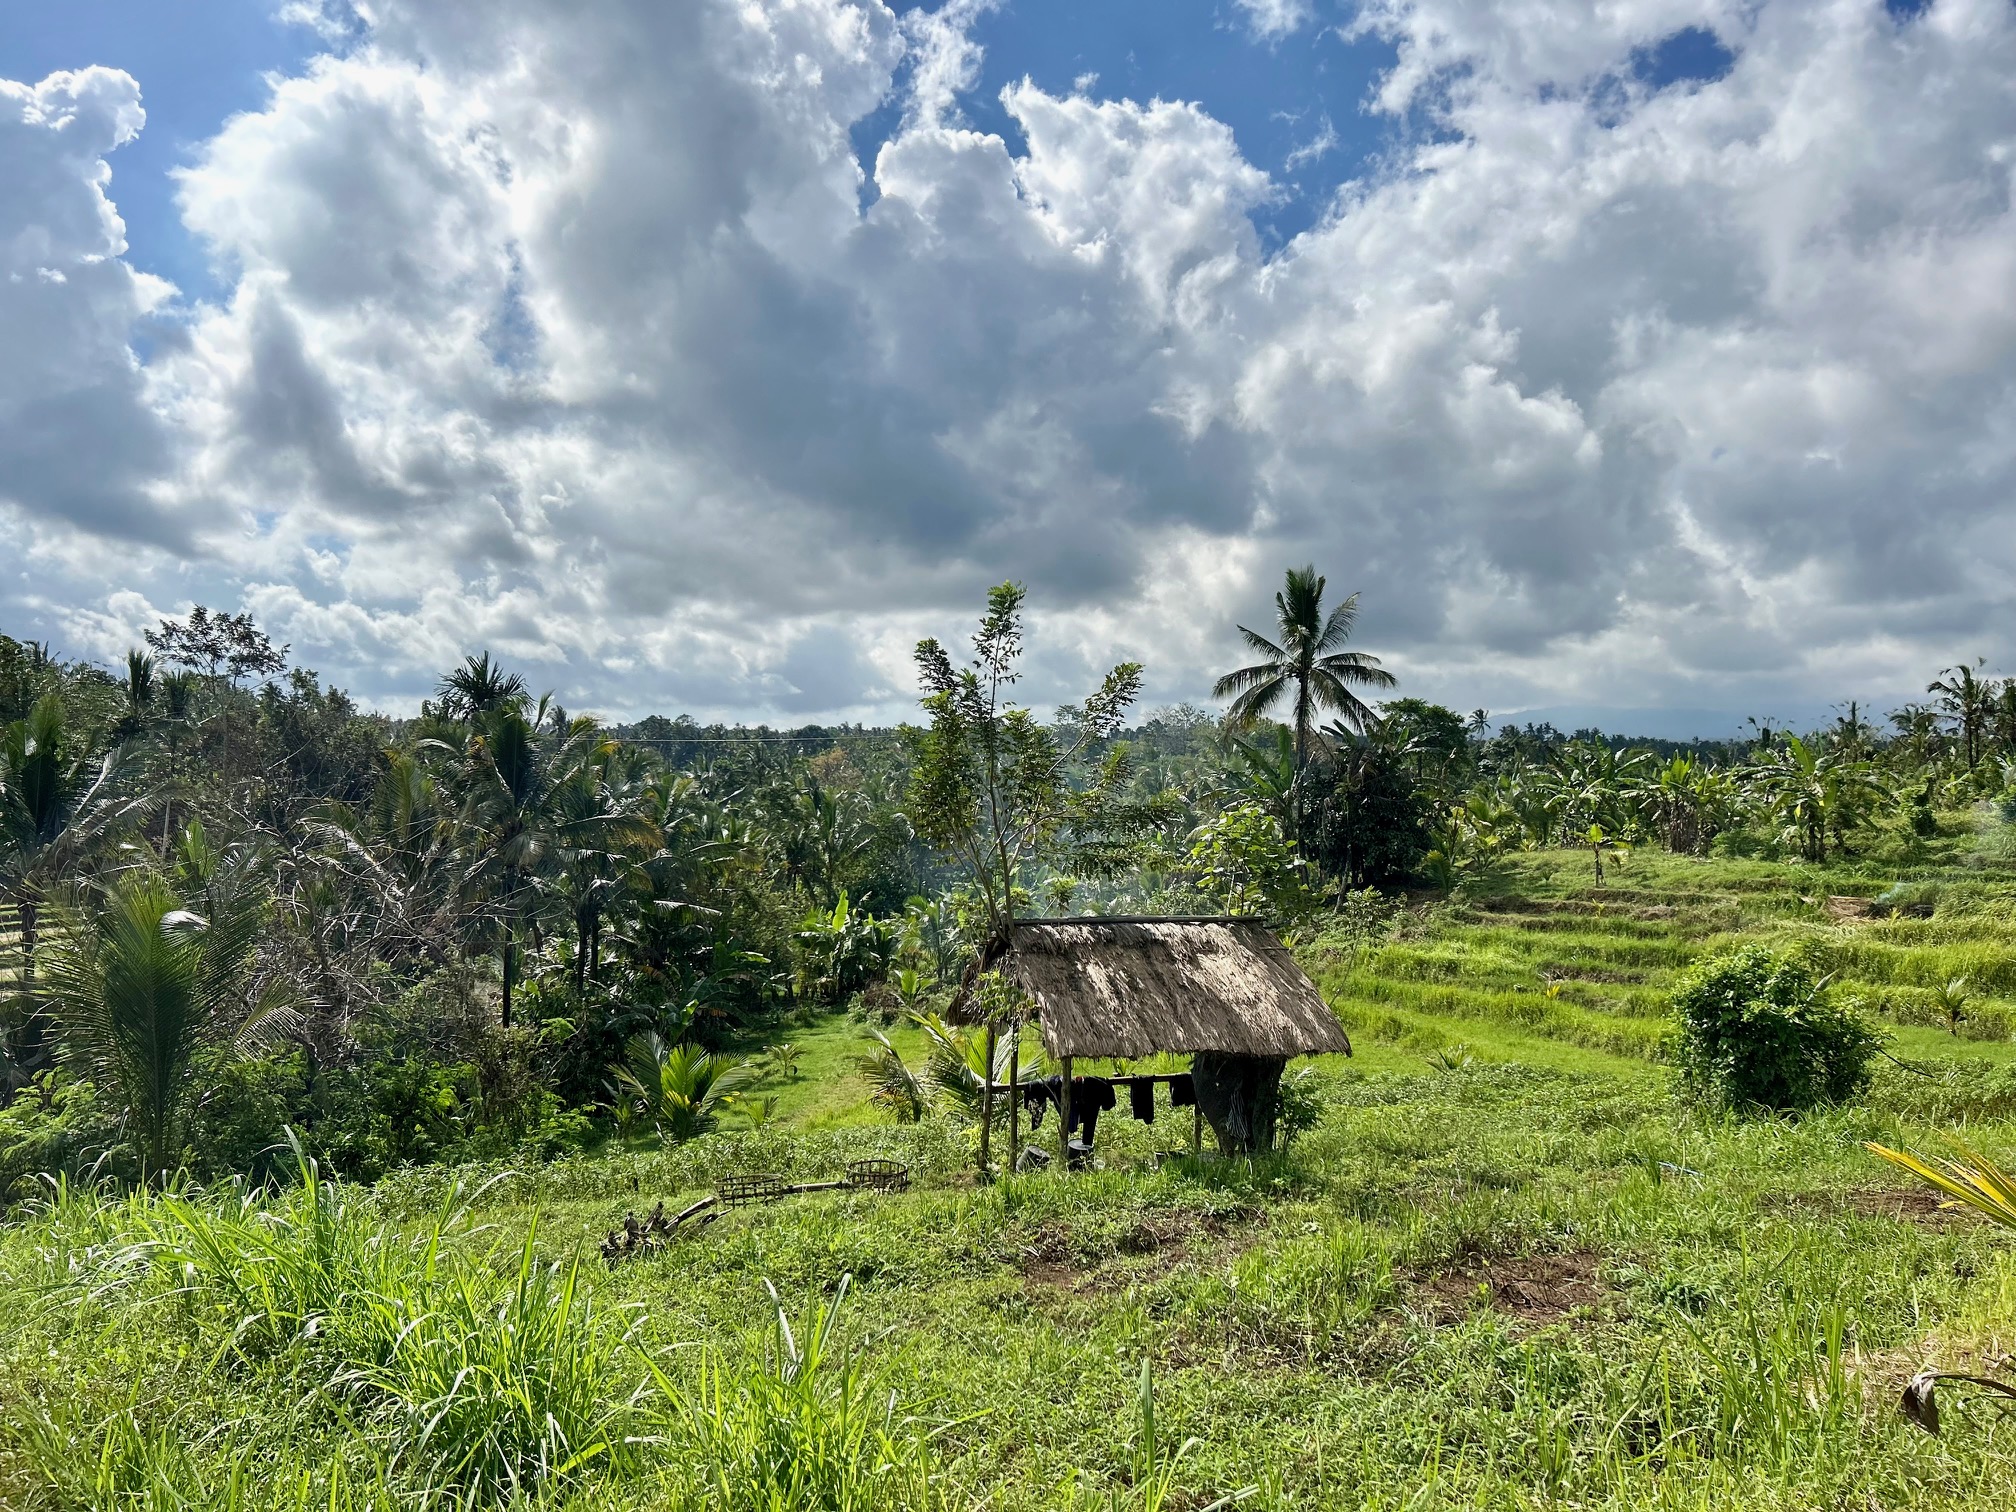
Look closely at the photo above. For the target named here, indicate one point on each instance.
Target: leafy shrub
(54, 1126)
(1242, 861)
(1364, 820)
(238, 1127)
(1754, 1031)
(1299, 1106)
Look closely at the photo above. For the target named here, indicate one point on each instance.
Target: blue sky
(1295, 104)
(198, 63)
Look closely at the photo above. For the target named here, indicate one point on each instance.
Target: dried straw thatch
(1131, 987)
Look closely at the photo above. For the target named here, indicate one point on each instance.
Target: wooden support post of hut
(1224, 991)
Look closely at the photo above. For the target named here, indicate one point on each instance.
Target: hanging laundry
(1090, 1096)
(1183, 1091)
(1037, 1095)
(1141, 1095)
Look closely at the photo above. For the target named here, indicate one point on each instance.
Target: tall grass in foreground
(443, 1368)
(808, 1426)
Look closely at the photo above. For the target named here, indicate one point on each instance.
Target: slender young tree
(988, 781)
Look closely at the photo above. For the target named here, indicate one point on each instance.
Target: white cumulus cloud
(588, 337)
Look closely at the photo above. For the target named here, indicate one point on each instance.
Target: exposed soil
(1535, 1289)
(1918, 1205)
(1913, 1204)
(1151, 1246)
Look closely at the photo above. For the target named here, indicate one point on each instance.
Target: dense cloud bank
(582, 333)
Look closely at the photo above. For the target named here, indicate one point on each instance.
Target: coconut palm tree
(141, 689)
(478, 686)
(1309, 665)
(149, 993)
(1969, 701)
(524, 809)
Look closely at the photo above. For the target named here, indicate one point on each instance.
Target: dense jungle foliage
(237, 904)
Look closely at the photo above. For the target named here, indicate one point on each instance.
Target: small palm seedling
(1953, 999)
(153, 995)
(1972, 1181)
(1456, 1057)
(892, 1083)
(679, 1089)
(958, 1067)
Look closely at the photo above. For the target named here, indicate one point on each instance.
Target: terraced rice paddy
(1541, 963)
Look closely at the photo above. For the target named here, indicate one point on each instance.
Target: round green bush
(1753, 1032)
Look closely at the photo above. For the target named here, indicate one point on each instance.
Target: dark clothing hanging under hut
(1183, 1091)
(1090, 1096)
(1038, 1095)
(1141, 1100)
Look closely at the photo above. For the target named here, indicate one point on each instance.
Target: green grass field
(1507, 1269)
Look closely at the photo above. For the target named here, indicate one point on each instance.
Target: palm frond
(1254, 703)
(1337, 627)
(1361, 667)
(1970, 1178)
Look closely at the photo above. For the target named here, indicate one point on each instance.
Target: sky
(1652, 359)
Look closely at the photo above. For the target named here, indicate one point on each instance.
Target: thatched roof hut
(1125, 988)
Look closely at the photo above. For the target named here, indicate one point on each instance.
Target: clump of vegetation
(1754, 1031)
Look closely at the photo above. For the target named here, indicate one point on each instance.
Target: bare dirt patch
(1535, 1289)
(1906, 1204)
(1911, 1204)
(1149, 1247)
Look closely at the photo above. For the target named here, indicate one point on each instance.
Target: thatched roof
(1131, 987)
